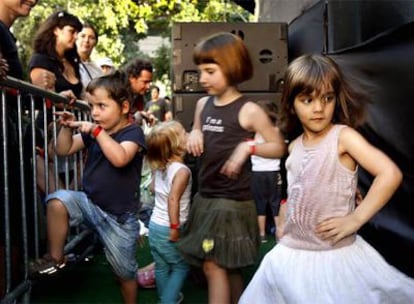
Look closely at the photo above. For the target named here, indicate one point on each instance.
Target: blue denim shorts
(119, 238)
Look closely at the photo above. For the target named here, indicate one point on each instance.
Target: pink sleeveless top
(319, 187)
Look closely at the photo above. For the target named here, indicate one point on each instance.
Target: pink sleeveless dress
(302, 268)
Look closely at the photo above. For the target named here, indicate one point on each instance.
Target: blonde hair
(164, 144)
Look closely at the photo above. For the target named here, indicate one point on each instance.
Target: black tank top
(222, 133)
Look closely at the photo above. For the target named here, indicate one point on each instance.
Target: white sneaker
(180, 298)
(142, 229)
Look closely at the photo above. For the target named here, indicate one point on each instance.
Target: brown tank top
(222, 133)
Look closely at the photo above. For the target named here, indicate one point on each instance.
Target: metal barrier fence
(30, 170)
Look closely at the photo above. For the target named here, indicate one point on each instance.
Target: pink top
(319, 187)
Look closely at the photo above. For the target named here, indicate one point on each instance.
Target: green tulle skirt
(222, 230)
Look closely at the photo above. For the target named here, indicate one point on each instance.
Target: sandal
(146, 279)
(45, 266)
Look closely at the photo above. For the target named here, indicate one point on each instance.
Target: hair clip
(61, 14)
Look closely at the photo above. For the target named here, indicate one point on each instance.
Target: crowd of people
(318, 257)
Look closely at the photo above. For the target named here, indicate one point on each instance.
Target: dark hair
(156, 88)
(90, 26)
(45, 39)
(310, 73)
(229, 52)
(114, 84)
(134, 67)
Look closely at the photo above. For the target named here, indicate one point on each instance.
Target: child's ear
(125, 107)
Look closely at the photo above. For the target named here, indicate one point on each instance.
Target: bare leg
(129, 290)
(279, 228)
(276, 219)
(40, 174)
(262, 220)
(218, 283)
(41, 177)
(57, 228)
(236, 285)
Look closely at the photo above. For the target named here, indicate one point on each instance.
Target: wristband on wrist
(283, 201)
(174, 226)
(96, 131)
(252, 146)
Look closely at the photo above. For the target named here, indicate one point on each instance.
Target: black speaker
(184, 104)
(267, 44)
(334, 26)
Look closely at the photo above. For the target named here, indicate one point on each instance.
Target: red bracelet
(252, 145)
(174, 226)
(96, 131)
(283, 201)
(253, 149)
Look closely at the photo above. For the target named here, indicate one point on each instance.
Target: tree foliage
(122, 23)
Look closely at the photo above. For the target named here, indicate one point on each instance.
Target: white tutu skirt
(348, 275)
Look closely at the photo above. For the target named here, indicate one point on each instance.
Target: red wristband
(253, 149)
(252, 145)
(174, 226)
(96, 131)
(283, 201)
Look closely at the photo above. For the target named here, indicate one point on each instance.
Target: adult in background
(10, 10)
(55, 53)
(106, 64)
(54, 64)
(4, 68)
(158, 107)
(86, 42)
(139, 74)
(10, 64)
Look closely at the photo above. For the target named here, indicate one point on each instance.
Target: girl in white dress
(320, 258)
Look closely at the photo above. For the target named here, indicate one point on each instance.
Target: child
(320, 258)
(222, 232)
(172, 187)
(110, 200)
(266, 180)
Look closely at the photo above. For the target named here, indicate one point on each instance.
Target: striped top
(319, 187)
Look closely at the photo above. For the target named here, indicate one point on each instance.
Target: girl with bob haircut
(223, 50)
(320, 258)
(222, 233)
